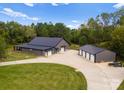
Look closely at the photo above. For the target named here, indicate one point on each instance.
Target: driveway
(99, 75)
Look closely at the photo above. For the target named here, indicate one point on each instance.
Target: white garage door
(80, 52)
(87, 56)
(49, 53)
(62, 49)
(84, 54)
(92, 58)
(46, 53)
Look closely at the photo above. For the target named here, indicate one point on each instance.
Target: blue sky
(71, 15)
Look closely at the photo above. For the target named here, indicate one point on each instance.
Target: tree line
(106, 30)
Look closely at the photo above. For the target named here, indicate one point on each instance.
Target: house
(45, 46)
(96, 54)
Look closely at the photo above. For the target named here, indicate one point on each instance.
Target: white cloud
(66, 3)
(75, 26)
(29, 4)
(75, 21)
(119, 5)
(12, 13)
(57, 4)
(54, 4)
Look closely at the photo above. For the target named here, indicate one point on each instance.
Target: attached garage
(96, 54)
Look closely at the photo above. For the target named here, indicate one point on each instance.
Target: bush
(74, 46)
(2, 48)
(106, 45)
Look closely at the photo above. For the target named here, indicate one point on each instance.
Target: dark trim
(66, 41)
(89, 56)
(35, 48)
(85, 54)
(94, 58)
(92, 53)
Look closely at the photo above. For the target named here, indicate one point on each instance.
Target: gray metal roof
(42, 43)
(91, 49)
(38, 47)
(46, 41)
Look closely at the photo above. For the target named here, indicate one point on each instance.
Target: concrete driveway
(99, 75)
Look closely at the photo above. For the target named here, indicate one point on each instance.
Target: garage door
(62, 49)
(87, 56)
(80, 52)
(92, 58)
(49, 53)
(84, 54)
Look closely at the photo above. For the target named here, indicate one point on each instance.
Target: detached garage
(96, 54)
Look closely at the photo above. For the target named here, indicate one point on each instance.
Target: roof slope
(45, 41)
(91, 49)
(42, 43)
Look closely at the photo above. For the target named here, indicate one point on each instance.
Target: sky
(72, 15)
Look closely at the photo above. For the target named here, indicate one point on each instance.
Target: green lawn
(121, 87)
(44, 76)
(17, 55)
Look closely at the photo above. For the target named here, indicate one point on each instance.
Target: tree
(41, 29)
(118, 40)
(28, 33)
(105, 18)
(121, 20)
(92, 24)
(15, 32)
(2, 47)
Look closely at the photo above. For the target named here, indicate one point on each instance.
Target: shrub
(2, 48)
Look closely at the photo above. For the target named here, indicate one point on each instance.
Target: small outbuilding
(96, 54)
(45, 46)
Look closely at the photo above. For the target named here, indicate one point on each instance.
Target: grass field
(41, 76)
(121, 87)
(17, 55)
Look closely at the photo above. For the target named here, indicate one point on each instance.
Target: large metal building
(45, 46)
(96, 54)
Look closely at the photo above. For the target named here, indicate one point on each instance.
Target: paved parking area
(99, 75)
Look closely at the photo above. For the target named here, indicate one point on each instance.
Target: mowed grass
(41, 76)
(12, 55)
(121, 87)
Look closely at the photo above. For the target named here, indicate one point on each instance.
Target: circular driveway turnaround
(98, 75)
